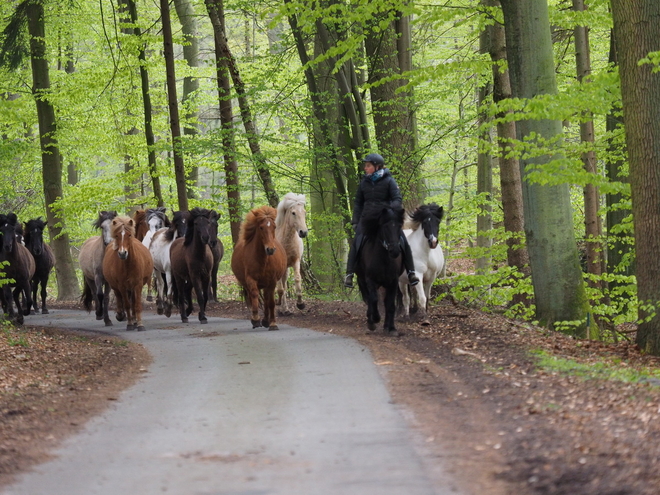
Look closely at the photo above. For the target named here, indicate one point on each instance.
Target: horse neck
(419, 237)
(197, 245)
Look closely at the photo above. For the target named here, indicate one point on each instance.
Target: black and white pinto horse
(380, 263)
(427, 255)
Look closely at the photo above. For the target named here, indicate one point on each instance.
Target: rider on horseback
(376, 187)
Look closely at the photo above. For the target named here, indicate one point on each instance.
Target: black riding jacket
(383, 191)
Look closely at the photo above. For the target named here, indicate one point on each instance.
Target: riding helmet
(374, 158)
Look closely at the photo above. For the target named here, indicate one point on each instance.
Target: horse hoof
(159, 311)
(130, 328)
(255, 323)
(141, 328)
(203, 321)
(168, 313)
(184, 319)
(120, 316)
(108, 323)
(99, 317)
(371, 325)
(44, 311)
(265, 323)
(300, 305)
(273, 327)
(150, 298)
(284, 313)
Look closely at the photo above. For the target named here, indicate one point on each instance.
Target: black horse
(380, 262)
(18, 266)
(44, 260)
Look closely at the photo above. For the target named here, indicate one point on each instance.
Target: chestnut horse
(192, 261)
(127, 266)
(18, 266)
(258, 262)
(291, 228)
(90, 259)
(44, 260)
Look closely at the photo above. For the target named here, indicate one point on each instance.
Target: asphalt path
(227, 409)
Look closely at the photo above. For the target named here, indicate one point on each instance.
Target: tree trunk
(592, 221)
(146, 104)
(67, 283)
(246, 114)
(173, 104)
(227, 121)
(186, 14)
(510, 182)
(556, 275)
(636, 34)
(484, 168)
(393, 112)
(618, 243)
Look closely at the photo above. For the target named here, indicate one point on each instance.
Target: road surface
(227, 409)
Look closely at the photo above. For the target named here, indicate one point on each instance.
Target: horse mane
(194, 214)
(103, 216)
(253, 219)
(289, 200)
(371, 215)
(158, 212)
(423, 211)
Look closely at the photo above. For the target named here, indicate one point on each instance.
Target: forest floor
(473, 384)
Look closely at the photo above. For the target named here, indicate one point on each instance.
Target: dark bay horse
(380, 263)
(258, 262)
(18, 265)
(127, 267)
(44, 260)
(90, 259)
(218, 251)
(192, 261)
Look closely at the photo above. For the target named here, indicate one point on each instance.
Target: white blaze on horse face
(123, 252)
(105, 229)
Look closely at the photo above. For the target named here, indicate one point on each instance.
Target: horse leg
(137, 310)
(189, 301)
(105, 306)
(282, 300)
(390, 309)
(169, 290)
(253, 298)
(298, 281)
(160, 292)
(202, 291)
(150, 284)
(405, 298)
(268, 320)
(34, 287)
(19, 308)
(179, 291)
(44, 295)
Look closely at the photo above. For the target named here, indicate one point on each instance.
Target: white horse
(159, 247)
(428, 257)
(290, 229)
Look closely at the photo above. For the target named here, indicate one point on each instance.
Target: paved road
(240, 411)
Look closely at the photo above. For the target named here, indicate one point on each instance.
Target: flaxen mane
(287, 202)
(253, 219)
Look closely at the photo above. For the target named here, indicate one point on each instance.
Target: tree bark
(216, 14)
(146, 105)
(67, 282)
(510, 182)
(592, 221)
(186, 14)
(393, 112)
(173, 105)
(246, 114)
(556, 274)
(636, 34)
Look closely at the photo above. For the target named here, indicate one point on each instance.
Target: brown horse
(90, 259)
(192, 260)
(258, 262)
(127, 266)
(18, 266)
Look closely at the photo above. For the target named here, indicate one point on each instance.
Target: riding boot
(408, 261)
(352, 260)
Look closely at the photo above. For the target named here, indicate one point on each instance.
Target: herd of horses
(180, 256)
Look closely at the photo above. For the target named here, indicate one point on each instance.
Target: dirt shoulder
(466, 380)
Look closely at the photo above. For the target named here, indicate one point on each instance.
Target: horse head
(214, 216)
(200, 226)
(8, 232)
(429, 218)
(291, 212)
(179, 225)
(389, 233)
(156, 218)
(104, 222)
(34, 235)
(123, 230)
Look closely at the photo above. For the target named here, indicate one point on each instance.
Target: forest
(535, 126)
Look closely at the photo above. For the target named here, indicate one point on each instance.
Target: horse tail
(87, 297)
